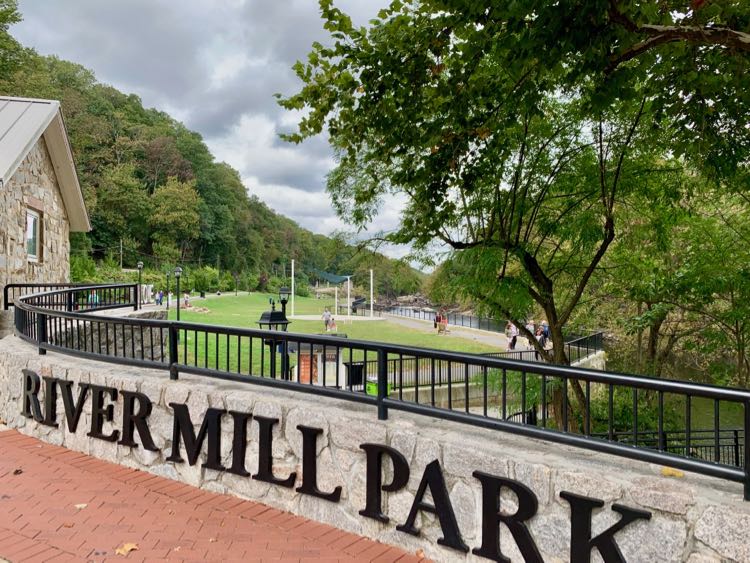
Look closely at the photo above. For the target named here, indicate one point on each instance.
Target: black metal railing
(572, 406)
(725, 446)
(456, 319)
(360, 311)
(13, 291)
(576, 349)
(577, 346)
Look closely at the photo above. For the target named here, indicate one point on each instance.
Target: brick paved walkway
(60, 505)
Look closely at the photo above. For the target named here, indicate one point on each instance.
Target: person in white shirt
(512, 336)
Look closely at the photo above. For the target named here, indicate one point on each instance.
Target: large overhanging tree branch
(692, 55)
(658, 34)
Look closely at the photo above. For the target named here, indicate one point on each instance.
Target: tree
(689, 60)
(526, 200)
(11, 52)
(162, 160)
(125, 152)
(175, 213)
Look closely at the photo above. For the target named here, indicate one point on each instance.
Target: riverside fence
(568, 405)
(577, 346)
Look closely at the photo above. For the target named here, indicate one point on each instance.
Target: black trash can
(355, 374)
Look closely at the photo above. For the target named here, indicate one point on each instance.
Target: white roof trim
(23, 122)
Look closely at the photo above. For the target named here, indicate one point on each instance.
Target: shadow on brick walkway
(60, 505)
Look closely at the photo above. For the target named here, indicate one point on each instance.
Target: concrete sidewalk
(61, 505)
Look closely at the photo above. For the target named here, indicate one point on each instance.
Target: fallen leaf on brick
(178, 548)
(671, 472)
(67, 524)
(126, 548)
(211, 540)
(18, 472)
(80, 506)
(420, 553)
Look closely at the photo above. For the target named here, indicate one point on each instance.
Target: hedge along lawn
(244, 311)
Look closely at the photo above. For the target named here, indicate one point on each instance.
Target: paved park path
(489, 338)
(61, 505)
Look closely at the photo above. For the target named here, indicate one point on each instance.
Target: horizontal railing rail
(562, 404)
(577, 346)
(13, 291)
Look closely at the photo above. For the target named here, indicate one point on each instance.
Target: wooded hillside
(152, 186)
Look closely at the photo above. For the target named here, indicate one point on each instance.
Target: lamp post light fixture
(177, 276)
(138, 296)
(274, 320)
(284, 294)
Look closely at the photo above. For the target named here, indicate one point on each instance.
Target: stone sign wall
(33, 186)
(440, 483)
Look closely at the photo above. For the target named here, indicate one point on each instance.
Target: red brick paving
(166, 519)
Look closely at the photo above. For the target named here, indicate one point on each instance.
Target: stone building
(40, 197)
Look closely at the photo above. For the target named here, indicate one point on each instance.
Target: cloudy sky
(214, 66)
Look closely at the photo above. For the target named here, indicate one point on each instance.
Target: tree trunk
(558, 396)
(652, 348)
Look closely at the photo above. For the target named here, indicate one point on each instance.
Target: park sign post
(186, 445)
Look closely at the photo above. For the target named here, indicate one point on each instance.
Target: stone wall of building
(692, 518)
(33, 186)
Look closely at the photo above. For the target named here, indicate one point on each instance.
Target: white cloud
(215, 66)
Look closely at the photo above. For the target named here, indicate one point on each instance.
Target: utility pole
(292, 287)
(349, 297)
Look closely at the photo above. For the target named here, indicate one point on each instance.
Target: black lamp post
(168, 276)
(274, 320)
(177, 276)
(284, 294)
(138, 297)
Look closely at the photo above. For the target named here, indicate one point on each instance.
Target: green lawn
(243, 355)
(245, 310)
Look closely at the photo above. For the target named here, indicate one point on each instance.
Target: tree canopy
(501, 125)
(153, 186)
(690, 59)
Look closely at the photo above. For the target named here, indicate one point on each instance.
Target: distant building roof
(22, 123)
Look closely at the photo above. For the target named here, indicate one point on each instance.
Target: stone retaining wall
(122, 340)
(693, 518)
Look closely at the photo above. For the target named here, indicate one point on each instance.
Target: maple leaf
(126, 548)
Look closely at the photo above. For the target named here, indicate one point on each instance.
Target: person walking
(541, 339)
(512, 333)
(326, 319)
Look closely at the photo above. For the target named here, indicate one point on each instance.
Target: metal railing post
(173, 335)
(41, 332)
(736, 447)
(137, 300)
(747, 450)
(382, 384)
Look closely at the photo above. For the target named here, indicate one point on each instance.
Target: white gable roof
(22, 123)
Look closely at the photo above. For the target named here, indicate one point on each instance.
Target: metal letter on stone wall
(581, 542)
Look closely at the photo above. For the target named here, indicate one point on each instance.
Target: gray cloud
(215, 66)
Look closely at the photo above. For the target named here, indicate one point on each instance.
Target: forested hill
(151, 183)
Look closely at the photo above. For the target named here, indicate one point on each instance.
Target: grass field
(245, 310)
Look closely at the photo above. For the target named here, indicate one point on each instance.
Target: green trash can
(371, 388)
